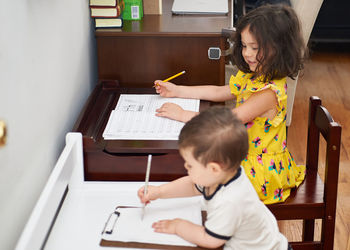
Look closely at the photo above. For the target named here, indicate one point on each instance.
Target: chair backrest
(291, 89)
(307, 12)
(322, 123)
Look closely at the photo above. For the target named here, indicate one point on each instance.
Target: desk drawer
(103, 166)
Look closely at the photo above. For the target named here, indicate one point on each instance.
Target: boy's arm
(182, 187)
(187, 230)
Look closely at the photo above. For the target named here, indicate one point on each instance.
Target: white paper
(200, 7)
(129, 227)
(134, 118)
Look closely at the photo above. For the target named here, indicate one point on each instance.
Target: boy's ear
(214, 167)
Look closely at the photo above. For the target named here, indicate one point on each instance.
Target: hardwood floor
(326, 75)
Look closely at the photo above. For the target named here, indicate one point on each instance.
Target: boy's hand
(166, 226)
(153, 193)
(165, 89)
(171, 111)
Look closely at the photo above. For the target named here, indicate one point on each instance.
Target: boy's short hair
(216, 135)
(278, 33)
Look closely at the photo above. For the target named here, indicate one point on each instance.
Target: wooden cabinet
(129, 60)
(159, 46)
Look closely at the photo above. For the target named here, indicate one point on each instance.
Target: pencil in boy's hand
(174, 76)
(146, 182)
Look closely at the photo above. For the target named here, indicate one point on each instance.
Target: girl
(268, 47)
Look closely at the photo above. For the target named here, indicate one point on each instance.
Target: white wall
(47, 70)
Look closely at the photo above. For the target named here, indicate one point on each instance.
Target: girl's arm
(187, 230)
(259, 104)
(182, 187)
(204, 92)
(175, 112)
(262, 103)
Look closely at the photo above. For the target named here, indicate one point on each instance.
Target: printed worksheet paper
(134, 118)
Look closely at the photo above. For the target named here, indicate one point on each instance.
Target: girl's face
(250, 49)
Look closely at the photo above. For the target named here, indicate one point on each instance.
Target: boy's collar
(236, 176)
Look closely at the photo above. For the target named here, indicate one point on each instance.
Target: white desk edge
(59, 218)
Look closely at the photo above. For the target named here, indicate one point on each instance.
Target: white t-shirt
(236, 214)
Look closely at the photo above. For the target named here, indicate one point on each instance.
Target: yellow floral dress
(268, 165)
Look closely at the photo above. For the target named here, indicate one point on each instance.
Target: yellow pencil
(174, 76)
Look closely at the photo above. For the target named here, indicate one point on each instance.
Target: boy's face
(199, 173)
(250, 49)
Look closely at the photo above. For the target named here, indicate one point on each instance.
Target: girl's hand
(165, 89)
(153, 193)
(166, 226)
(171, 111)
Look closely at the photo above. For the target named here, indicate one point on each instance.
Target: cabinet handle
(3, 135)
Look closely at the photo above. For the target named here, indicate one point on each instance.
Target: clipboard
(110, 225)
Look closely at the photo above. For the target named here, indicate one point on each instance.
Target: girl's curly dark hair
(277, 31)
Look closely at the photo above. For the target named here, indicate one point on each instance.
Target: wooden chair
(315, 199)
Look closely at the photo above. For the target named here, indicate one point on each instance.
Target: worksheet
(134, 118)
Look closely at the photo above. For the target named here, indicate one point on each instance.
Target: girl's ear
(214, 167)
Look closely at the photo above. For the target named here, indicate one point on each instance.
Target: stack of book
(107, 13)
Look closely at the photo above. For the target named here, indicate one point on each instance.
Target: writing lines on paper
(129, 226)
(134, 118)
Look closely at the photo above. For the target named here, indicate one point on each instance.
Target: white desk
(85, 207)
(84, 213)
